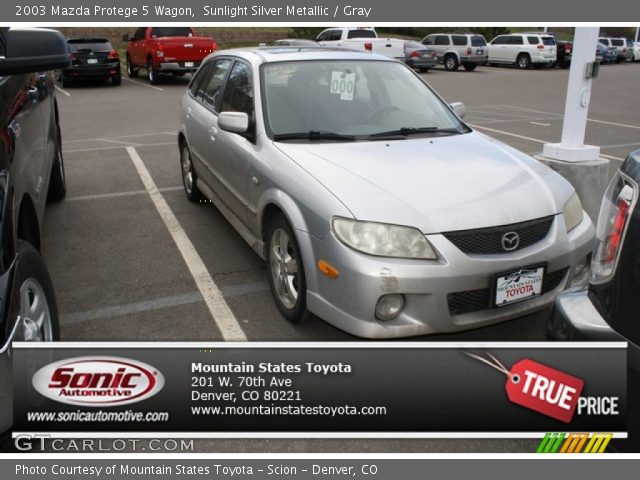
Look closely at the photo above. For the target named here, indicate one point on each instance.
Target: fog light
(389, 307)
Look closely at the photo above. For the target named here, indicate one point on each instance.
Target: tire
(423, 70)
(36, 302)
(116, 80)
(451, 63)
(58, 178)
(470, 67)
(523, 62)
(189, 177)
(132, 72)
(66, 83)
(289, 289)
(152, 73)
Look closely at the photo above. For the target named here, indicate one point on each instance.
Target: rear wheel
(65, 81)
(451, 62)
(189, 177)
(116, 79)
(423, 69)
(523, 61)
(58, 179)
(132, 72)
(152, 73)
(470, 67)
(286, 272)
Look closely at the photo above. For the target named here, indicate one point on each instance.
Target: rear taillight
(612, 225)
(73, 57)
(540, 46)
(567, 48)
(368, 46)
(113, 54)
(414, 54)
(469, 51)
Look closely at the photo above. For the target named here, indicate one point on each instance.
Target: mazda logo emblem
(510, 241)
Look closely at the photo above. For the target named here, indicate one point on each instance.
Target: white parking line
(143, 84)
(541, 124)
(604, 122)
(220, 311)
(615, 124)
(127, 193)
(135, 135)
(536, 140)
(113, 147)
(64, 92)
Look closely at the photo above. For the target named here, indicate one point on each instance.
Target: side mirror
(459, 109)
(33, 50)
(235, 122)
(126, 38)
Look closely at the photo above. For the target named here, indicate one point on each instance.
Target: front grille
(489, 240)
(476, 300)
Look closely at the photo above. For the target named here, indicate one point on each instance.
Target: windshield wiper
(314, 135)
(406, 131)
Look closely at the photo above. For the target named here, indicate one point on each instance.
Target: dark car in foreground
(31, 173)
(418, 56)
(608, 309)
(91, 59)
(563, 53)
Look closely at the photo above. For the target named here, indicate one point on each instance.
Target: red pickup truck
(166, 50)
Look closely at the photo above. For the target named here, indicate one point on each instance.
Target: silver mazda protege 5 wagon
(375, 207)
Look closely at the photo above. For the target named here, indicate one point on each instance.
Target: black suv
(31, 173)
(91, 59)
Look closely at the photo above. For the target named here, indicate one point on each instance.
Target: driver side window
(238, 92)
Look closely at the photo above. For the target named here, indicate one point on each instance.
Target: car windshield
(353, 99)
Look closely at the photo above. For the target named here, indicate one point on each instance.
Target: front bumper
(349, 301)
(575, 317)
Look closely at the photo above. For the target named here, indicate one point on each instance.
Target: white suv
(455, 49)
(523, 50)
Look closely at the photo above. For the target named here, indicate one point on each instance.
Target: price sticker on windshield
(343, 84)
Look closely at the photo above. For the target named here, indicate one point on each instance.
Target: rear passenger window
(532, 40)
(238, 92)
(214, 82)
(459, 40)
(442, 40)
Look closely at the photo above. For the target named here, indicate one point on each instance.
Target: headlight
(382, 239)
(572, 212)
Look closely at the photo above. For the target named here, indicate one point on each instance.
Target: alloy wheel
(284, 268)
(34, 312)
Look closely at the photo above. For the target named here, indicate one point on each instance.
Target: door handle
(33, 94)
(188, 112)
(213, 131)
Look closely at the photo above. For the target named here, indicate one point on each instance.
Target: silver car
(375, 207)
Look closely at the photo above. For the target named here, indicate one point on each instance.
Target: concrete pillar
(580, 164)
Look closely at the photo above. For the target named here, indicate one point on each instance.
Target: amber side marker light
(327, 269)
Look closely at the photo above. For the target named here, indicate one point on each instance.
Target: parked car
(631, 50)
(365, 39)
(453, 50)
(606, 54)
(293, 42)
(166, 51)
(419, 57)
(91, 59)
(523, 50)
(620, 45)
(608, 308)
(375, 207)
(31, 172)
(564, 50)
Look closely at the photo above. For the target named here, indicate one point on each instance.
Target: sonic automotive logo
(98, 381)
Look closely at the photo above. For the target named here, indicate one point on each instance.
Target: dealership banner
(314, 11)
(319, 389)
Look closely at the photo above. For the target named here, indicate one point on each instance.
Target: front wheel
(451, 63)
(132, 72)
(189, 177)
(116, 79)
(37, 310)
(286, 272)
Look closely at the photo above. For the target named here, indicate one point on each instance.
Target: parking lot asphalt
(130, 256)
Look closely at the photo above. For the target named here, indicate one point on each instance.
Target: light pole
(579, 163)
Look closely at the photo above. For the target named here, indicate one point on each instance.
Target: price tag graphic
(539, 387)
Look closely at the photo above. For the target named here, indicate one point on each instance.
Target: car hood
(436, 184)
